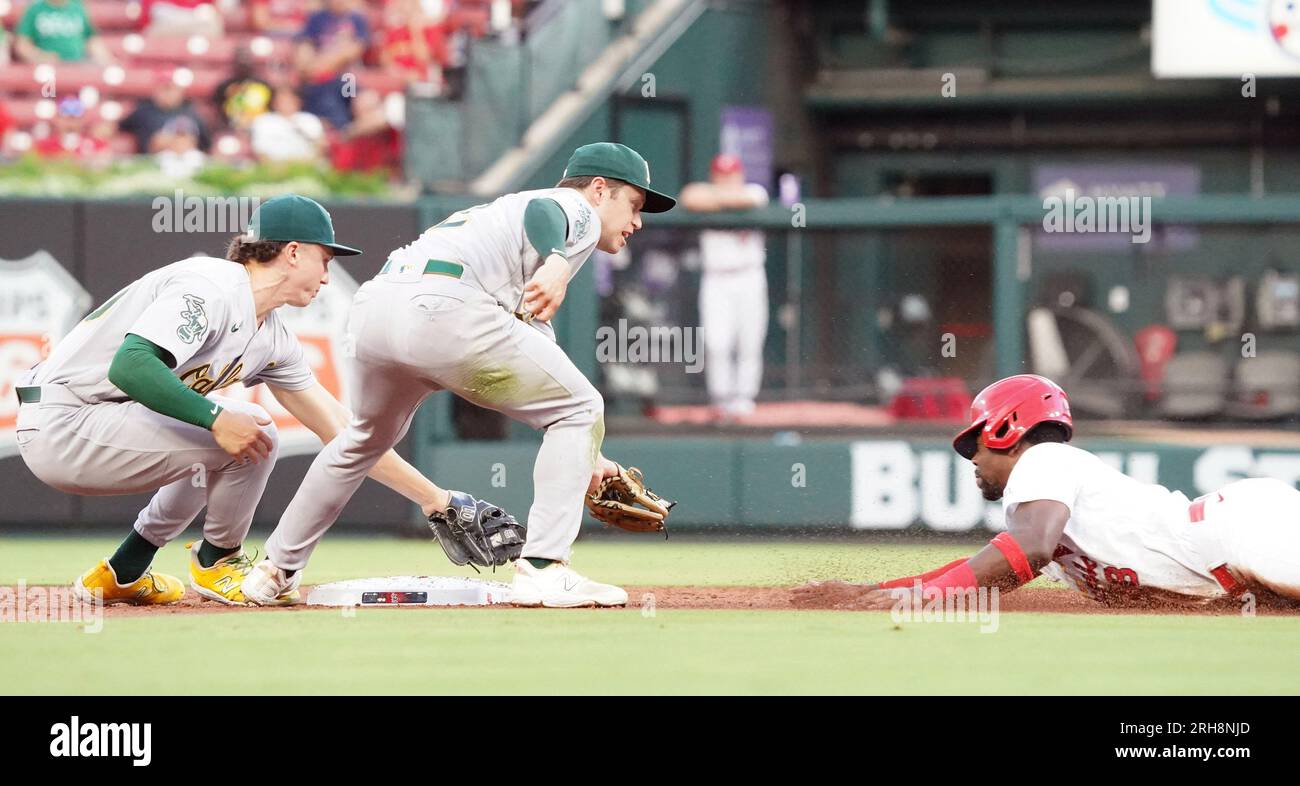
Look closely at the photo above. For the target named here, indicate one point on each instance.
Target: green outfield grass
(621, 651)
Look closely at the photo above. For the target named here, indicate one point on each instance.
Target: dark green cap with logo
(610, 159)
(293, 217)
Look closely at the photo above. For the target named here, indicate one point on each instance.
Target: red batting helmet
(1005, 410)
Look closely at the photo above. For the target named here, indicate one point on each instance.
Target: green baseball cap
(293, 217)
(610, 159)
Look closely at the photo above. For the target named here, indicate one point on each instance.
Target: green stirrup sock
(132, 558)
(209, 554)
(539, 563)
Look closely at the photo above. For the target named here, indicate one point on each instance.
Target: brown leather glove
(624, 501)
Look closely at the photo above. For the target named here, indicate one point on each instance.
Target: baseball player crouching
(467, 308)
(128, 403)
(1071, 516)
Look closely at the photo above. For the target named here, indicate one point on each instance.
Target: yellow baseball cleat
(221, 581)
(151, 589)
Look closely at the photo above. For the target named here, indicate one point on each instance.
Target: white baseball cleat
(267, 585)
(558, 586)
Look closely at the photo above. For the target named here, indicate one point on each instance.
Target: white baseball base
(410, 591)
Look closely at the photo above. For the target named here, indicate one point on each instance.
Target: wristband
(1006, 543)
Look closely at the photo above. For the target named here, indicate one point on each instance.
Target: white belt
(1207, 538)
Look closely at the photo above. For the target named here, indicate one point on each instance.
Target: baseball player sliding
(1074, 518)
(128, 402)
(467, 308)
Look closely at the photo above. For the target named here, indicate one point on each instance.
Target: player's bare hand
(828, 594)
(241, 435)
(876, 600)
(604, 469)
(545, 290)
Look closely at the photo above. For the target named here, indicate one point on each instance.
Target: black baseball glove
(477, 533)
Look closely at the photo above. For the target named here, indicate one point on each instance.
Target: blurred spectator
(54, 30)
(371, 142)
(176, 147)
(281, 18)
(4, 46)
(733, 289)
(151, 114)
(242, 96)
(69, 135)
(287, 133)
(331, 43)
(181, 17)
(414, 44)
(6, 124)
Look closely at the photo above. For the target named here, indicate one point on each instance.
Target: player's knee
(587, 409)
(593, 404)
(270, 429)
(362, 445)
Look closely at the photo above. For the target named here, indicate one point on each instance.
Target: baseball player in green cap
(130, 401)
(467, 308)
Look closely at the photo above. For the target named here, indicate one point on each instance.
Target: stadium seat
(1267, 386)
(28, 111)
(194, 50)
(105, 15)
(1195, 386)
(24, 79)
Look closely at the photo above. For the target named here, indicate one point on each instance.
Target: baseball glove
(624, 501)
(477, 533)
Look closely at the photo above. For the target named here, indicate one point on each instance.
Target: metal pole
(1008, 306)
(794, 304)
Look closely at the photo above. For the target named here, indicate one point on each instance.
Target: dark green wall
(835, 484)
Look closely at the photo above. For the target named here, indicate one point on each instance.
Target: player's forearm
(318, 410)
(397, 474)
(1002, 564)
(1015, 557)
(929, 575)
(138, 370)
(998, 565)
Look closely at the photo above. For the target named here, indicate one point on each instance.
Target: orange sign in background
(18, 352)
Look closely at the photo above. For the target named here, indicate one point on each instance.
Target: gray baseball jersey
(414, 333)
(201, 311)
(489, 241)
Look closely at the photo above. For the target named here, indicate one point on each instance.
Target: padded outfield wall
(880, 481)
